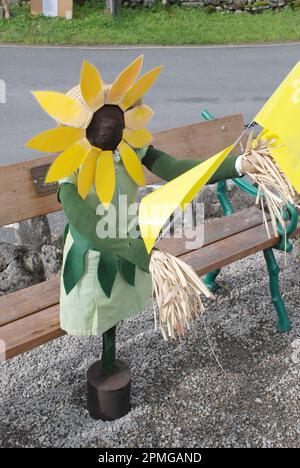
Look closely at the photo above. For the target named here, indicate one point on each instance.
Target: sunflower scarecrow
(103, 143)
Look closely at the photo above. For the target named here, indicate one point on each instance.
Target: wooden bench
(30, 317)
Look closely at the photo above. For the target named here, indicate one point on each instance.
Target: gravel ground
(180, 396)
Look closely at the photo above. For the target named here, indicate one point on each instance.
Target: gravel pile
(180, 395)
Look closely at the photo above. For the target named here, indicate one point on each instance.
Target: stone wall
(35, 256)
(251, 6)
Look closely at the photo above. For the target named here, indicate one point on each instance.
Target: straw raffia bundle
(274, 189)
(178, 291)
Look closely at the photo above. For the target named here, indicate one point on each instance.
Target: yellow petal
(123, 82)
(64, 109)
(138, 117)
(105, 180)
(87, 172)
(68, 161)
(132, 163)
(156, 207)
(56, 139)
(140, 88)
(138, 138)
(91, 86)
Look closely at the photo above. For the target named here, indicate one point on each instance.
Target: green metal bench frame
(283, 324)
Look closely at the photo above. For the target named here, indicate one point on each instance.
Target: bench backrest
(18, 198)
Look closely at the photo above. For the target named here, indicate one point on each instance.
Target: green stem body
(108, 358)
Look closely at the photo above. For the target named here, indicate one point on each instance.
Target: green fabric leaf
(74, 268)
(107, 271)
(66, 230)
(127, 270)
(82, 242)
(84, 220)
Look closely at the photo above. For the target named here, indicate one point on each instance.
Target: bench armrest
(243, 184)
(290, 213)
(222, 186)
(246, 186)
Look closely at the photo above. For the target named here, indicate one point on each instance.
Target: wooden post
(6, 14)
(113, 6)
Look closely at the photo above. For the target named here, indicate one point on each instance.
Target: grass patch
(173, 25)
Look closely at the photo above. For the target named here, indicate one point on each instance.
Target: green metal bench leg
(209, 279)
(283, 324)
(108, 359)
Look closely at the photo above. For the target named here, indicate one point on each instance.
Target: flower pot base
(108, 394)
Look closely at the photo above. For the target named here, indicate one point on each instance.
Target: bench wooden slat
(28, 301)
(230, 249)
(217, 230)
(40, 327)
(18, 200)
(30, 332)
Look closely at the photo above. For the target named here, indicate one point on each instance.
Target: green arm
(84, 220)
(167, 168)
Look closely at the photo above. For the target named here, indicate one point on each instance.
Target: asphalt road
(223, 79)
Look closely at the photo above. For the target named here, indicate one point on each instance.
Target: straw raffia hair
(274, 189)
(75, 93)
(177, 289)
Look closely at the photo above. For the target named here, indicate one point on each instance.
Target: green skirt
(87, 311)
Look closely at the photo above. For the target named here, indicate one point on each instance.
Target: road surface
(223, 79)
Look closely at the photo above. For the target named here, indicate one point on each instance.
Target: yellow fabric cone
(281, 116)
(280, 152)
(157, 207)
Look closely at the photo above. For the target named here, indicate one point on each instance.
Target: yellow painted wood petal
(123, 82)
(56, 139)
(91, 86)
(105, 179)
(137, 138)
(64, 109)
(140, 88)
(68, 161)
(132, 163)
(138, 117)
(87, 172)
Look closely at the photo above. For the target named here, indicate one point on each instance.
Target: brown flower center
(106, 127)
